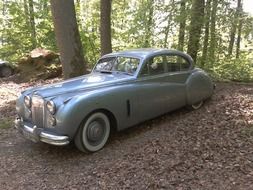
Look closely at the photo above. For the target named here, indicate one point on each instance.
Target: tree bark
(168, 27)
(105, 26)
(149, 24)
(3, 23)
(182, 26)
(32, 24)
(238, 42)
(206, 37)
(197, 17)
(68, 38)
(213, 40)
(233, 29)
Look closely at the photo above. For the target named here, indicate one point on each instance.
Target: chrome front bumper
(36, 134)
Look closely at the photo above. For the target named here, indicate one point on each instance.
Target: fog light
(51, 121)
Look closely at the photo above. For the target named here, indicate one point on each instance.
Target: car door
(161, 85)
(178, 69)
(151, 97)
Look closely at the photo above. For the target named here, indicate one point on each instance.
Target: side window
(126, 64)
(153, 66)
(177, 63)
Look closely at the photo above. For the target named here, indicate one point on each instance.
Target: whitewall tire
(197, 105)
(93, 133)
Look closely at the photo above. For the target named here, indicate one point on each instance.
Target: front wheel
(93, 133)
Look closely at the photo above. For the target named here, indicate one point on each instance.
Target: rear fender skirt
(198, 87)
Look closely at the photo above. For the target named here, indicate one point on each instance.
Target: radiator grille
(38, 111)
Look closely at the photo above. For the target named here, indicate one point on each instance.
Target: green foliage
(240, 70)
(6, 123)
(88, 20)
(16, 31)
(15, 34)
(135, 24)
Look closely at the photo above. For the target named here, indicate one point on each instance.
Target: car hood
(83, 83)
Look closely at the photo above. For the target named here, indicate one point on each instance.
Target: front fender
(71, 114)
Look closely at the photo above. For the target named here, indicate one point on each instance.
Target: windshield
(122, 64)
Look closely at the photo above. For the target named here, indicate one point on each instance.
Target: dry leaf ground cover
(211, 148)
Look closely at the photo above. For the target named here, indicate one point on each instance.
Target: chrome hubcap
(95, 131)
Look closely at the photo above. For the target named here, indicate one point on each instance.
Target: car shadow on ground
(121, 138)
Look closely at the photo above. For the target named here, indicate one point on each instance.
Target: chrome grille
(38, 111)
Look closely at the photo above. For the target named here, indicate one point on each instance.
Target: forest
(47, 42)
(218, 34)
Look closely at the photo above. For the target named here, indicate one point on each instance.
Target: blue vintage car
(124, 89)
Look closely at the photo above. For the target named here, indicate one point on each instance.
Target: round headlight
(27, 100)
(51, 107)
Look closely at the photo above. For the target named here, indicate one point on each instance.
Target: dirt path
(211, 148)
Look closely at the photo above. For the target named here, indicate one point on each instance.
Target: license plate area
(30, 136)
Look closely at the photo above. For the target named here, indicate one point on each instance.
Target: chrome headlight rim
(28, 101)
(51, 107)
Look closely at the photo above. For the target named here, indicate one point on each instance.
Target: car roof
(142, 52)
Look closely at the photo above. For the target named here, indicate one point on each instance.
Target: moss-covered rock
(39, 64)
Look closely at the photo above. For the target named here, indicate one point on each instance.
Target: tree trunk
(206, 37)
(32, 24)
(68, 38)
(213, 40)
(149, 24)
(233, 29)
(3, 23)
(182, 26)
(197, 17)
(105, 26)
(168, 27)
(238, 42)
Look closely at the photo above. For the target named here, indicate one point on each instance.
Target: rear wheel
(93, 133)
(197, 105)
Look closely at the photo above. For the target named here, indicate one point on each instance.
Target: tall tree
(182, 25)
(3, 11)
(32, 24)
(238, 42)
(149, 24)
(233, 29)
(206, 36)
(213, 40)
(68, 38)
(105, 26)
(197, 17)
